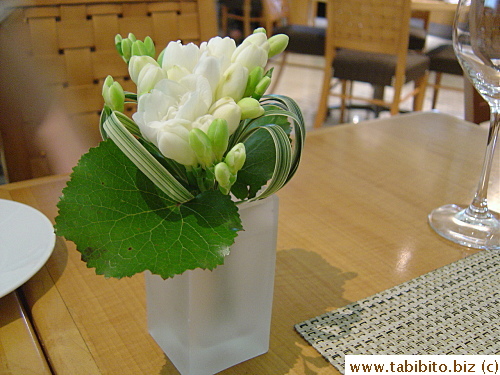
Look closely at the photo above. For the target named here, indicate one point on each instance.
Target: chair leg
(421, 86)
(395, 103)
(325, 93)
(276, 77)
(346, 86)
(398, 90)
(224, 14)
(437, 86)
(378, 93)
(247, 7)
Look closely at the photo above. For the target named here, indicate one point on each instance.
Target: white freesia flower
(137, 63)
(187, 104)
(182, 55)
(221, 48)
(233, 82)
(253, 51)
(203, 122)
(182, 101)
(210, 68)
(149, 76)
(173, 142)
(193, 87)
(176, 73)
(227, 109)
(197, 99)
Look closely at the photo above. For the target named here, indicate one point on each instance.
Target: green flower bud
(235, 159)
(150, 47)
(202, 147)
(138, 48)
(253, 79)
(218, 132)
(113, 94)
(126, 47)
(118, 44)
(250, 108)
(146, 48)
(259, 30)
(278, 44)
(105, 88)
(130, 46)
(261, 87)
(224, 177)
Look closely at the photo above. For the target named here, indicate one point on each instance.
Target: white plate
(26, 241)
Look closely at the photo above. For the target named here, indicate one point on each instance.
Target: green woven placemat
(452, 310)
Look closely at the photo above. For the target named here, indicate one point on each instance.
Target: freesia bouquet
(160, 192)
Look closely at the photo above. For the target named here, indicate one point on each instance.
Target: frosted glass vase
(206, 321)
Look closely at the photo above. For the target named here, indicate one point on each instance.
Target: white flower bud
(253, 51)
(221, 48)
(202, 147)
(224, 177)
(233, 82)
(227, 109)
(137, 63)
(278, 44)
(250, 108)
(173, 142)
(235, 159)
(149, 76)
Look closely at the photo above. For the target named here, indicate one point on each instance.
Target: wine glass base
(453, 223)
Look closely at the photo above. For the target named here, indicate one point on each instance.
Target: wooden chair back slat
(370, 25)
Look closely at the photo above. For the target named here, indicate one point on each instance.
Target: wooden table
(353, 222)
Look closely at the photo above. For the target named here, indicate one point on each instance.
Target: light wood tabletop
(353, 222)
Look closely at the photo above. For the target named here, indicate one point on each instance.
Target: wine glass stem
(479, 205)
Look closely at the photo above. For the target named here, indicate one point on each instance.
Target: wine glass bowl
(477, 45)
(476, 41)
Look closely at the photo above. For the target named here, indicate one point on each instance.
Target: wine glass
(476, 41)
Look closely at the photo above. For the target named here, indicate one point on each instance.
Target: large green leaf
(123, 224)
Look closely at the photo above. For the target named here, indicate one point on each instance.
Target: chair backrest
(73, 43)
(274, 12)
(422, 15)
(74, 40)
(380, 26)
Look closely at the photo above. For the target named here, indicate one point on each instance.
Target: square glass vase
(206, 321)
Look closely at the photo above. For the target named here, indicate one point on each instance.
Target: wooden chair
(304, 40)
(265, 13)
(476, 108)
(367, 40)
(71, 43)
(419, 29)
(273, 16)
(240, 10)
(443, 61)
